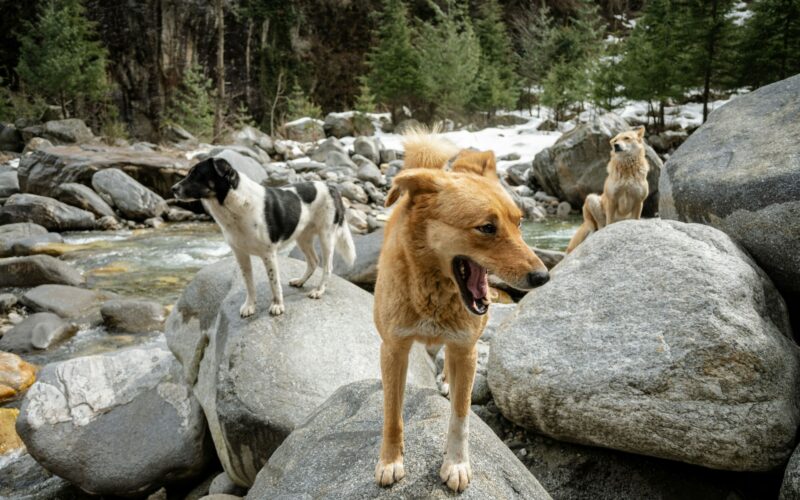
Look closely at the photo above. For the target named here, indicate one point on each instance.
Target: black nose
(175, 189)
(617, 148)
(538, 278)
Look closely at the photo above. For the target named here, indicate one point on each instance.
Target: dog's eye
(487, 229)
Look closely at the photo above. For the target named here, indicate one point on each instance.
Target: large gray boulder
(45, 169)
(69, 131)
(47, 212)
(84, 198)
(133, 315)
(243, 164)
(67, 301)
(15, 232)
(121, 423)
(10, 138)
(321, 151)
(21, 477)
(790, 488)
(258, 378)
(37, 331)
(576, 164)
(364, 271)
(369, 148)
(37, 270)
(254, 139)
(659, 338)
(740, 173)
(333, 454)
(9, 183)
(304, 130)
(338, 125)
(131, 199)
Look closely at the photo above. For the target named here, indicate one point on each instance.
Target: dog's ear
(476, 162)
(640, 131)
(226, 171)
(414, 182)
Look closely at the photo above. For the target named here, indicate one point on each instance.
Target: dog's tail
(425, 148)
(344, 243)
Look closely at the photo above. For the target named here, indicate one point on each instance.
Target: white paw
(316, 293)
(444, 387)
(457, 475)
(297, 282)
(388, 474)
(247, 309)
(276, 309)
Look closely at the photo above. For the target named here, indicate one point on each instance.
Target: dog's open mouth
(473, 284)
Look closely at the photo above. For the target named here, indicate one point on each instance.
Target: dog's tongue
(477, 281)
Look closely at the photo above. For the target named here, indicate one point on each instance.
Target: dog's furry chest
(245, 228)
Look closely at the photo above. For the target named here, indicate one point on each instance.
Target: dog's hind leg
(271, 263)
(326, 241)
(249, 306)
(306, 245)
(461, 362)
(394, 367)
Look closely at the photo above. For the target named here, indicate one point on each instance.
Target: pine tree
(606, 78)
(497, 85)
(771, 46)
(449, 53)
(654, 63)
(394, 73)
(299, 105)
(535, 33)
(5, 102)
(60, 58)
(192, 106)
(365, 102)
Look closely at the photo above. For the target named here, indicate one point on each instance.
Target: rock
(23, 478)
(132, 200)
(338, 159)
(364, 271)
(790, 489)
(759, 205)
(7, 301)
(133, 315)
(9, 183)
(221, 496)
(517, 174)
(9, 440)
(224, 357)
(548, 126)
(549, 257)
(15, 375)
(576, 164)
(564, 209)
(357, 220)
(389, 155)
(321, 151)
(120, 423)
(36, 244)
(369, 148)
(690, 359)
(338, 125)
(69, 131)
(108, 223)
(243, 164)
(224, 485)
(37, 331)
(369, 172)
(375, 195)
(44, 170)
(353, 192)
(172, 132)
(47, 212)
(345, 434)
(67, 301)
(84, 198)
(10, 138)
(253, 138)
(37, 270)
(12, 233)
(36, 144)
(178, 214)
(304, 130)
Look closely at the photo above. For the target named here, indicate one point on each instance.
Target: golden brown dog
(448, 230)
(625, 188)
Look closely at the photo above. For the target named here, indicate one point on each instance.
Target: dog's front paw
(247, 309)
(297, 282)
(276, 309)
(316, 293)
(457, 475)
(386, 474)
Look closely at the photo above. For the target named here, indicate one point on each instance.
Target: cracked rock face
(122, 423)
(659, 338)
(740, 172)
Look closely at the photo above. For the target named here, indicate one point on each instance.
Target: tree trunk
(247, 63)
(218, 112)
(710, 49)
(662, 123)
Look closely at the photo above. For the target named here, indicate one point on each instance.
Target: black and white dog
(257, 220)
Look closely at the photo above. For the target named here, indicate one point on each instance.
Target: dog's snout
(617, 148)
(538, 278)
(175, 189)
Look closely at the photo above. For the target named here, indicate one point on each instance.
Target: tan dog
(449, 229)
(625, 188)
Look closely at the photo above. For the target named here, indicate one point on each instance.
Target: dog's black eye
(487, 229)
